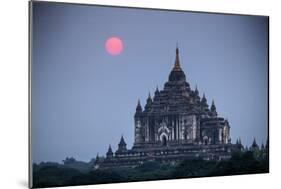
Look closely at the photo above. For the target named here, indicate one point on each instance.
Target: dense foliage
(73, 172)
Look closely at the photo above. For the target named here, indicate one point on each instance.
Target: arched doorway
(205, 140)
(164, 140)
(186, 136)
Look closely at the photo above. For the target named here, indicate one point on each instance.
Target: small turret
(122, 146)
(139, 108)
(204, 100)
(196, 91)
(149, 99)
(197, 97)
(237, 141)
(138, 120)
(254, 146)
(262, 146)
(226, 122)
(204, 104)
(97, 159)
(156, 95)
(148, 102)
(157, 92)
(213, 110)
(109, 153)
(122, 142)
(239, 144)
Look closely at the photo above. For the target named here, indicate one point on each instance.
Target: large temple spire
(177, 74)
(177, 66)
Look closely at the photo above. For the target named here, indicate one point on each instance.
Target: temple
(175, 124)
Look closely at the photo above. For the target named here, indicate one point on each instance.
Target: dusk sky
(84, 98)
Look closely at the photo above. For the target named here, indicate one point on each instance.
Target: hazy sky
(84, 99)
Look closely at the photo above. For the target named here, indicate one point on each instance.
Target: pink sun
(114, 45)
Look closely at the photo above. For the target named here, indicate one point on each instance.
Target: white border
(14, 91)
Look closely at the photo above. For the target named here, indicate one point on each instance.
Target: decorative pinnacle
(109, 148)
(177, 66)
(204, 95)
(262, 145)
(196, 90)
(254, 142)
(156, 91)
(122, 141)
(139, 108)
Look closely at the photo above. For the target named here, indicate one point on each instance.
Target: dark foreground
(73, 172)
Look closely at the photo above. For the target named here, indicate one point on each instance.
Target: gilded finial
(177, 61)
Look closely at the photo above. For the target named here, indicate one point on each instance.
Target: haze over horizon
(84, 99)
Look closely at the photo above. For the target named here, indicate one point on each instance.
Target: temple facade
(174, 124)
(177, 115)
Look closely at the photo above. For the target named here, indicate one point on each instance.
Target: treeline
(52, 174)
